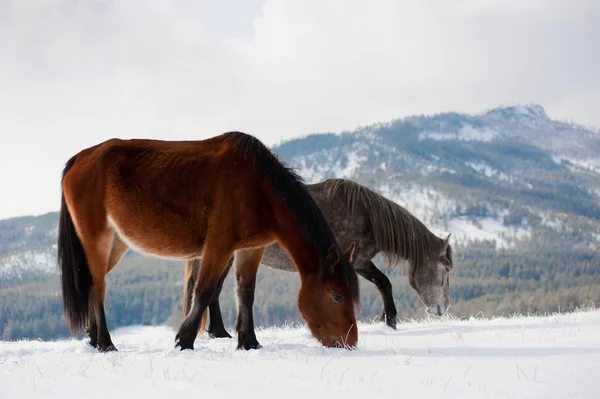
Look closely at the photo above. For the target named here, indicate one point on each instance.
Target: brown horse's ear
(333, 256)
(349, 253)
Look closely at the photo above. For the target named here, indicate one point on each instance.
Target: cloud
(74, 73)
(347, 62)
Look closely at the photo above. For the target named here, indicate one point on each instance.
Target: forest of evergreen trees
(145, 290)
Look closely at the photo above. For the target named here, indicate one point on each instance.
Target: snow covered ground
(522, 357)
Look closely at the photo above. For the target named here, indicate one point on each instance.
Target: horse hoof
(219, 334)
(109, 348)
(183, 344)
(390, 321)
(249, 345)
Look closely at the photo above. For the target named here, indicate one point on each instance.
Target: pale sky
(74, 73)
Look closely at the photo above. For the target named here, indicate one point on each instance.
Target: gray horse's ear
(349, 253)
(446, 254)
(445, 245)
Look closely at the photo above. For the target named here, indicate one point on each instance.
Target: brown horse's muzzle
(347, 340)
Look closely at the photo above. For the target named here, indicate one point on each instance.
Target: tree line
(148, 291)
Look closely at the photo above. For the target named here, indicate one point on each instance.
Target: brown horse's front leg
(246, 267)
(211, 269)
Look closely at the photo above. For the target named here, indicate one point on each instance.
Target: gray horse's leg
(370, 272)
(216, 327)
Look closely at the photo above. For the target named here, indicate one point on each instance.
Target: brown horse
(190, 199)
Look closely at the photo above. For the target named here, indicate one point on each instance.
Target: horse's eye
(338, 298)
(447, 265)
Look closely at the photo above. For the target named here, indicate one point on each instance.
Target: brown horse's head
(431, 280)
(327, 301)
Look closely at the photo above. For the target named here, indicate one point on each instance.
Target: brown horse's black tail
(76, 279)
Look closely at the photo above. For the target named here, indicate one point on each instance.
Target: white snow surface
(522, 357)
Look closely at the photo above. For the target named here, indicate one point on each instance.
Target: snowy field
(521, 357)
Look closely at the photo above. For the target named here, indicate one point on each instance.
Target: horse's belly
(159, 239)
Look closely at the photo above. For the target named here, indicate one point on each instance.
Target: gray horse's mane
(398, 234)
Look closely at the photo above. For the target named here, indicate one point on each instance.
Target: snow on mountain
(43, 261)
(430, 206)
(521, 357)
(531, 123)
(488, 171)
(465, 133)
(426, 203)
(532, 112)
(465, 231)
(342, 162)
(590, 164)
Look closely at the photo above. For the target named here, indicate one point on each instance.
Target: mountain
(28, 246)
(509, 174)
(519, 192)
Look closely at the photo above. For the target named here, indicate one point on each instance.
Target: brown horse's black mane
(294, 194)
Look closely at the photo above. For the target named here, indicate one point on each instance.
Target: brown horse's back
(145, 186)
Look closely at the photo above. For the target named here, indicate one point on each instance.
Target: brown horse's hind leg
(105, 343)
(213, 264)
(97, 254)
(246, 267)
(117, 251)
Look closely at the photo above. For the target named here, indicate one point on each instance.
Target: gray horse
(375, 224)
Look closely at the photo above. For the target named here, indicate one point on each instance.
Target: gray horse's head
(431, 279)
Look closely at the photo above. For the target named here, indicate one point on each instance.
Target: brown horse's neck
(303, 254)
